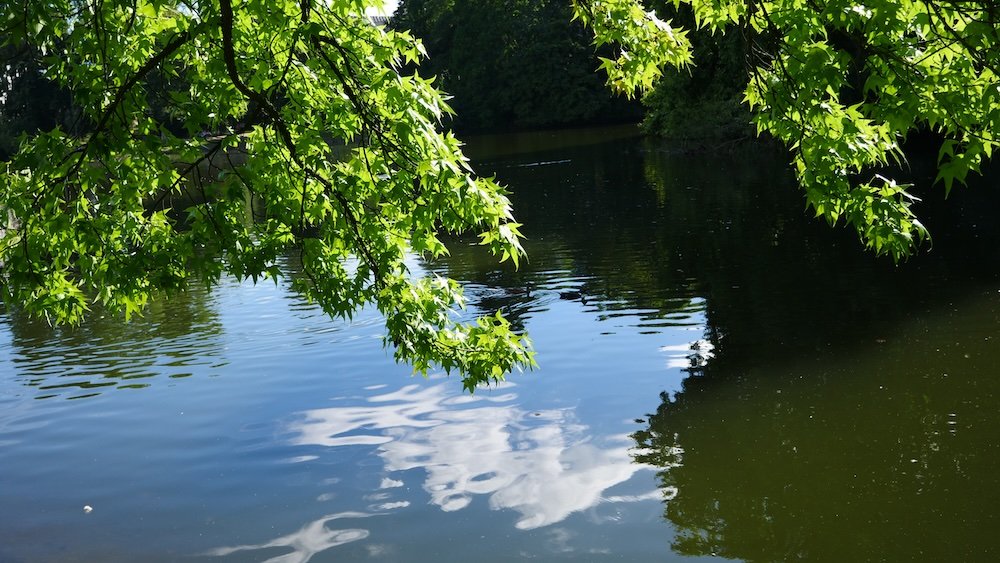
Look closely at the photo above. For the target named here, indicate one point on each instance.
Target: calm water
(721, 377)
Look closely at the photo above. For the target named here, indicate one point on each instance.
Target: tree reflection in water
(174, 338)
(839, 407)
(885, 450)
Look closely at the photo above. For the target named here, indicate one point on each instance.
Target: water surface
(720, 376)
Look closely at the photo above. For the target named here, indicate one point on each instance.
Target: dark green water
(721, 376)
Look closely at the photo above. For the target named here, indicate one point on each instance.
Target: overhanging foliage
(297, 134)
(842, 83)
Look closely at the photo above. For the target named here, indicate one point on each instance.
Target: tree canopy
(216, 137)
(290, 129)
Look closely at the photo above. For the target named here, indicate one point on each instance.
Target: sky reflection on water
(544, 464)
(313, 538)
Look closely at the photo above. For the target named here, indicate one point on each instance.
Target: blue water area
(719, 377)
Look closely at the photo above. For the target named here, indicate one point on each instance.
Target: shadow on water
(886, 451)
(848, 413)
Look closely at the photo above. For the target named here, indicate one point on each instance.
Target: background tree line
(701, 106)
(30, 102)
(510, 64)
(513, 64)
(524, 64)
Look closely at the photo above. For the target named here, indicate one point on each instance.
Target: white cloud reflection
(311, 539)
(541, 464)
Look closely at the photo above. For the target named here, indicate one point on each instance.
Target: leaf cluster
(227, 135)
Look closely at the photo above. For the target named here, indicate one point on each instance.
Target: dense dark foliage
(702, 105)
(513, 64)
(30, 102)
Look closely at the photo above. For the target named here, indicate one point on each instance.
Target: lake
(720, 377)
